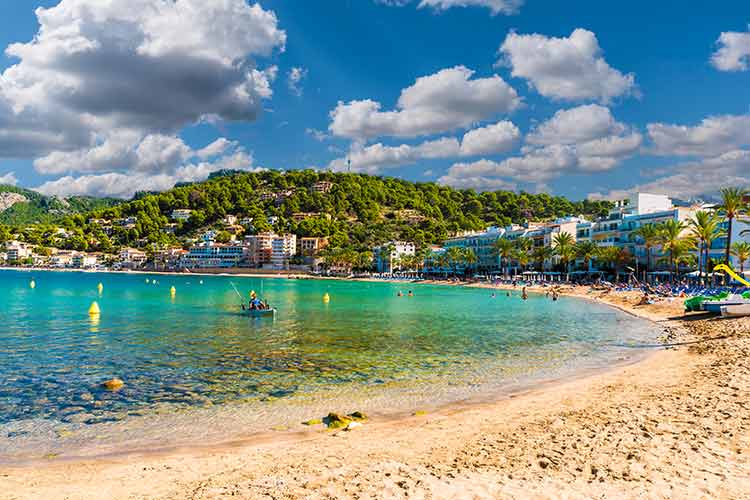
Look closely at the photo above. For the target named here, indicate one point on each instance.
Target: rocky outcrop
(8, 199)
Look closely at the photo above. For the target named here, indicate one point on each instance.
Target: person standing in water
(524, 295)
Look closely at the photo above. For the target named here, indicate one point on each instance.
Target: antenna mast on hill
(349, 165)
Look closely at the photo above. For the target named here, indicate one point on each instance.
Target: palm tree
(705, 227)
(741, 250)
(469, 258)
(564, 248)
(522, 251)
(649, 234)
(586, 250)
(455, 256)
(732, 204)
(672, 242)
(541, 255)
(390, 249)
(504, 250)
(364, 260)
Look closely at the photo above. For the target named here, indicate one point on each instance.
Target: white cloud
(294, 80)
(507, 7)
(125, 185)
(575, 125)
(713, 136)
(444, 101)
(492, 139)
(316, 134)
(9, 178)
(571, 68)
(733, 53)
(696, 179)
(105, 86)
(216, 148)
(579, 140)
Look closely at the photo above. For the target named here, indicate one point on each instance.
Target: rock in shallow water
(114, 384)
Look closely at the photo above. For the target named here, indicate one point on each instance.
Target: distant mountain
(20, 206)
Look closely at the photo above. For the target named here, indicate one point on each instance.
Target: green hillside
(358, 212)
(40, 209)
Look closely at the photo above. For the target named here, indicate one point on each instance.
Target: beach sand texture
(675, 425)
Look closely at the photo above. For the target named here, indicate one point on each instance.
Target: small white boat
(715, 306)
(260, 313)
(735, 311)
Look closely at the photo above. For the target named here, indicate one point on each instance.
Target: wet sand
(674, 425)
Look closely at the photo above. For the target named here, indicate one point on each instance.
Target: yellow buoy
(32, 284)
(94, 309)
(201, 282)
(100, 287)
(146, 280)
(326, 298)
(173, 290)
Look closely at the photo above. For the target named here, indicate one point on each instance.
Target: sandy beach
(674, 425)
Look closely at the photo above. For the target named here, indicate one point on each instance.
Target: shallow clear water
(195, 368)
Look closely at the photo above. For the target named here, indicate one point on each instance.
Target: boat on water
(735, 311)
(260, 313)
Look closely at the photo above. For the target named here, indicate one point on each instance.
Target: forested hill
(20, 206)
(358, 211)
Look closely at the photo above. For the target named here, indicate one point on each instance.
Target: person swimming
(400, 294)
(411, 294)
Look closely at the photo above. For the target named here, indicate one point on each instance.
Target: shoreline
(394, 410)
(422, 445)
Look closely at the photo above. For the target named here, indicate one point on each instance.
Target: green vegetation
(40, 209)
(358, 212)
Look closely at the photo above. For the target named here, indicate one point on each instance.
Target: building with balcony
(384, 259)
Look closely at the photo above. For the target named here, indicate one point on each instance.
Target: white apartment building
(283, 248)
(18, 250)
(84, 260)
(132, 258)
(399, 249)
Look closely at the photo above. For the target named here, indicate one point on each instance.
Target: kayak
(260, 313)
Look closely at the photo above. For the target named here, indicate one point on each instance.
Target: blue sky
(642, 97)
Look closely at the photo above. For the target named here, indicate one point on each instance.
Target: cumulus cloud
(584, 139)
(9, 178)
(571, 68)
(733, 53)
(125, 185)
(105, 86)
(507, 7)
(703, 178)
(129, 151)
(294, 80)
(142, 64)
(447, 100)
(711, 137)
(491, 139)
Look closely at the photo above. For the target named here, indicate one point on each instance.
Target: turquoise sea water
(196, 368)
